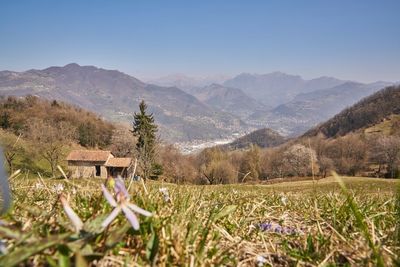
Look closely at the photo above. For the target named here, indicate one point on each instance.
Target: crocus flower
(58, 188)
(284, 200)
(261, 261)
(122, 203)
(276, 228)
(165, 193)
(3, 247)
(73, 217)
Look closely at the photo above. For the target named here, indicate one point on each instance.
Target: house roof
(118, 162)
(89, 155)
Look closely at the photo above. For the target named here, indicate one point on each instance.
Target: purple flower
(122, 203)
(276, 228)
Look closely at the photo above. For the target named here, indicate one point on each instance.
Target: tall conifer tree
(145, 130)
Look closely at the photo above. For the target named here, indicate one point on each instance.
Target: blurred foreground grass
(205, 225)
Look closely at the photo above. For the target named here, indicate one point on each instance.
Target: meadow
(303, 223)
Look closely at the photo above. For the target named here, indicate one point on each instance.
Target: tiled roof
(118, 162)
(89, 155)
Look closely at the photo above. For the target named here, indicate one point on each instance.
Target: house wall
(85, 169)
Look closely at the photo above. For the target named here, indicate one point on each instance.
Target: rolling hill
(262, 138)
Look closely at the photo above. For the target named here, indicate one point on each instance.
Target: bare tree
(215, 166)
(122, 143)
(219, 172)
(177, 168)
(51, 140)
(325, 165)
(298, 160)
(349, 154)
(12, 146)
(386, 152)
(250, 168)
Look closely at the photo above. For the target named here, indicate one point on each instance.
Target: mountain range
(278, 88)
(116, 96)
(308, 109)
(286, 103)
(204, 108)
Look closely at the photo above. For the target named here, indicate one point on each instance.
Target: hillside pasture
(304, 223)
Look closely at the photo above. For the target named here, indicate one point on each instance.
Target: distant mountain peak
(281, 74)
(72, 65)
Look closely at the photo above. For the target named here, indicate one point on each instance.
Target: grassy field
(301, 223)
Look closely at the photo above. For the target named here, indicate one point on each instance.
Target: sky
(355, 40)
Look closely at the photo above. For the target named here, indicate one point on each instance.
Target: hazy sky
(358, 40)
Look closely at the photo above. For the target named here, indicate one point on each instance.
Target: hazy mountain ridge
(231, 100)
(187, 83)
(116, 95)
(277, 88)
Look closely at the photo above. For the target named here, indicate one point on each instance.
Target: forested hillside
(23, 116)
(36, 134)
(369, 111)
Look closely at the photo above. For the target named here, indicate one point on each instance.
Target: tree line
(351, 155)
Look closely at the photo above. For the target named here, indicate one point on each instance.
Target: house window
(97, 170)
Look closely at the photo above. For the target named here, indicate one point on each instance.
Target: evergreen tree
(145, 130)
(5, 122)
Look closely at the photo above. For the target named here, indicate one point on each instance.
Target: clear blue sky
(358, 40)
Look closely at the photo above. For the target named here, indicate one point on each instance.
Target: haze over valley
(199, 114)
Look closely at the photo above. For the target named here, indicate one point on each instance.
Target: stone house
(97, 163)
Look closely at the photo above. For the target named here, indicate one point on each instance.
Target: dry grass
(208, 225)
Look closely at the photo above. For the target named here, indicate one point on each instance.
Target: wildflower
(38, 185)
(122, 203)
(261, 261)
(3, 247)
(276, 228)
(165, 193)
(58, 188)
(284, 200)
(73, 217)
